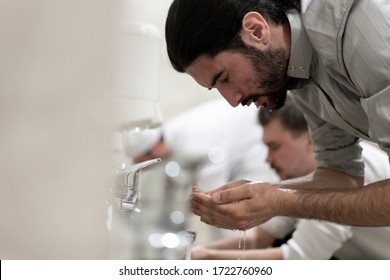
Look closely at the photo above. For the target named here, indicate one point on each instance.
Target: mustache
(252, 98)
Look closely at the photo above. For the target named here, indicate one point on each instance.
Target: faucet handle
(127, 185)
(131, 177)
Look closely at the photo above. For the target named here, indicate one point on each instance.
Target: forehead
(274, 131)
(205, 69)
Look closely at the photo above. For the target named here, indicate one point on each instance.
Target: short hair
(207, 27)
(289, 115)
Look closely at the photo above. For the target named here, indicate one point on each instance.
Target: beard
(270, 67)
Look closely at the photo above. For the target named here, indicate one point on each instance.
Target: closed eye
(225, 80)
(273, 146)
(218, 78)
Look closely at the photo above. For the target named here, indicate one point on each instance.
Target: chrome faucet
(126, 185)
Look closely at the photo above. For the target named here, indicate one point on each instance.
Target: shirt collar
(301, 48)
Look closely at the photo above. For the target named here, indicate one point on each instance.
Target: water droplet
(242, 242)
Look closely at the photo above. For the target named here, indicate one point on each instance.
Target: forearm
(232, 241)
(328, 195)
(368, 206)
(238, 246)
(323, 179)
(254, 254)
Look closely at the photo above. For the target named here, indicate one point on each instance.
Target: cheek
(252, 85)
(296, 155)
(249, 81)
(280, 158)
(286, 156)
(244, 79)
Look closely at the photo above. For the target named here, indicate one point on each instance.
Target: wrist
(280, 196)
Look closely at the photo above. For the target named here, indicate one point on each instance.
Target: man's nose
(231, 96)
(268, 159)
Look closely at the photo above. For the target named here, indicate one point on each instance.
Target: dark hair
(289, 115)
(197, 27)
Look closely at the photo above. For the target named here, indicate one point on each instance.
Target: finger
(202, 207)
(208, 211)
(219, 215)
(199, 202)
(230, 185)
(200, 197)
(232, 213)
(231, 195)
(223, 223)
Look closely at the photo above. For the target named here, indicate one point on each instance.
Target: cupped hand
(240, 204)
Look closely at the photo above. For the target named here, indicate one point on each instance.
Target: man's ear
(255, 30)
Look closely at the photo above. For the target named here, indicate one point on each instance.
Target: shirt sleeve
(279, 226)
(368, 65)
(335, 148)
(377, 110)
(315, 240)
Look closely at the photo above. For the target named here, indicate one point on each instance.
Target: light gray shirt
(344, 88)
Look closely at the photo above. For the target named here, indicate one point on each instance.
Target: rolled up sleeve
(315, 240)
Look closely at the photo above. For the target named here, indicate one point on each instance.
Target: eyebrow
(215, 78)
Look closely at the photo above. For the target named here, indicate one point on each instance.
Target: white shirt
(221, 144)
(317, 240)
